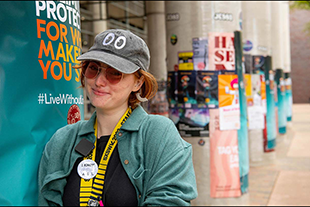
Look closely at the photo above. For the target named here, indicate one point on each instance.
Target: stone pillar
(257, 26)
(99, 26)
(156, 40)
(286, 33)
(277, 36)
(256, 31)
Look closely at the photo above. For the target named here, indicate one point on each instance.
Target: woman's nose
(101, 79)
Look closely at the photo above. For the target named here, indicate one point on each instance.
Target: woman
(121, 156)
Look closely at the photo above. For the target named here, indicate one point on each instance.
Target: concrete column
(257, 30)
(277, 36)
(184, 19)
(156, 36)
(286, 33)
(99, 26)
(257, 26)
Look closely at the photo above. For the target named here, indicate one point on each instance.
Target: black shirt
(117, 190)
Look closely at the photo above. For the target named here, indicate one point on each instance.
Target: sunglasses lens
(91, 70)
(113, 76)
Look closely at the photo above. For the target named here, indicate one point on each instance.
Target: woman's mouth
(98, 92)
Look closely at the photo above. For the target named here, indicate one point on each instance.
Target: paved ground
(283, 177)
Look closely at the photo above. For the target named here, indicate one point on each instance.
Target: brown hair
(148, 89)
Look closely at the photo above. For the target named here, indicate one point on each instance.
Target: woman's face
(106, 96)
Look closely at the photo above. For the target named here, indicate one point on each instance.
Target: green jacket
(158, 160)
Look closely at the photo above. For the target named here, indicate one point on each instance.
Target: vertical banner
(221, 51)
(224, 160)
(243, 143)
(282, 119)
(39, 88)
(271, 113)
(229, 102)
(288, 96)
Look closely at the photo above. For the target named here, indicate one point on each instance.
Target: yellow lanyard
(92, 188)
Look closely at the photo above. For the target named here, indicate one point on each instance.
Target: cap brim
(119, 63)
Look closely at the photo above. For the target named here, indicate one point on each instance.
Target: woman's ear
(138, 83)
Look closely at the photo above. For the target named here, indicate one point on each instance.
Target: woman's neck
(108, 119)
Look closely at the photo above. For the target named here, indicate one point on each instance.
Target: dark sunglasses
(112, 75)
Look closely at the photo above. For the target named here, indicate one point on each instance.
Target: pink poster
(224, 160)
(221, 51)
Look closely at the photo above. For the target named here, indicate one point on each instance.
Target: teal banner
(271, 114)
(282, 119)
(243, 144)
(288, 96)
(40, 41)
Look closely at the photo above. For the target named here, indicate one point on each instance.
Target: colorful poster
(270, 115)
(39, 88)
(248, 89)
(201, 54)
(185, 60)
(193, 122)
(229, 102)
(258, 64)
(248, 65)
(255, 110)
(224, 160)
(288, 96)
(207, 89)
(263, 93)
(221, 51)
(172, 88)
(186, 89)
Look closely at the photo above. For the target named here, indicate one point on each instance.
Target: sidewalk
(284, 177)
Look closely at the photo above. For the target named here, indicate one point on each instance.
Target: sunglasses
(112, 75)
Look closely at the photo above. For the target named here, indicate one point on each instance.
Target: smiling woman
(132, 158)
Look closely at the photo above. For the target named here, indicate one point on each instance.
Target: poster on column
(172, 88)
(200, 53)
(207, 89)
(185, 60)
(193, 122)
(224, 160)
(255, 111)
(221, 51)
(229, 108)
(39, 88)
(263, 93)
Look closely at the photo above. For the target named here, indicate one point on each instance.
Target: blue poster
(270, 115)
(40, 41)
(282, 119)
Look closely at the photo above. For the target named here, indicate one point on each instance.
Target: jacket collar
(135, 120)
(132, 124)
(88, 127)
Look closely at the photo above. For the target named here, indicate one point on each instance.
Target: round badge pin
(74, 114)
(87, 169)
